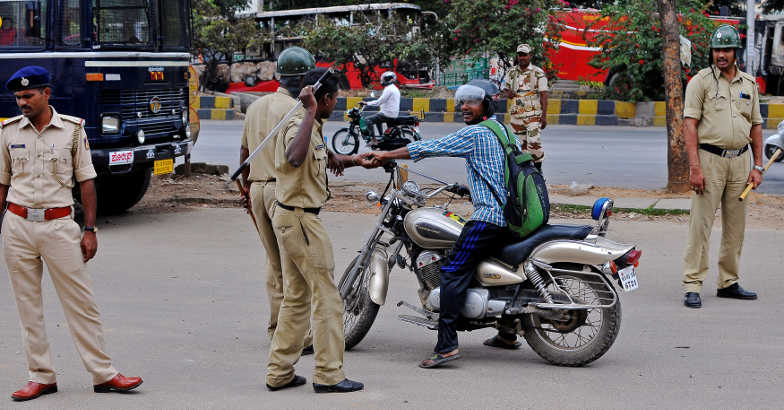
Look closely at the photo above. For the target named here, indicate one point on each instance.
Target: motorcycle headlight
(372, 196)
(411, 188)
(110, 124)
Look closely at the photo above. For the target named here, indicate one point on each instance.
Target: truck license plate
(120, 157)
(628, 278)
(163, 166)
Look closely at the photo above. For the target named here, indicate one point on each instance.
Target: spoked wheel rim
(580, 328)
(344, 142)
(352, 308)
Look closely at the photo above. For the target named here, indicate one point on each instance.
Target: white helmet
(388, 77)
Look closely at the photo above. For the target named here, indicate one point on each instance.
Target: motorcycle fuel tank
(433, 228)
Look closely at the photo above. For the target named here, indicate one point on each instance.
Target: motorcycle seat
(516, 253)
(403, 120)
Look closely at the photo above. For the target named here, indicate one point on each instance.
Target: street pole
(677, 161)
(750, 14)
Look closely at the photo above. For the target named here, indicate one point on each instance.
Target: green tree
(218, 34)
(366, 44)
(496, 27)
(632, 49)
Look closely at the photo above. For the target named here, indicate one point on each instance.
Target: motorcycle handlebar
(459, 189)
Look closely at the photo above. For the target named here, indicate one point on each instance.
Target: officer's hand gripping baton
(751, 184)
(275, 130)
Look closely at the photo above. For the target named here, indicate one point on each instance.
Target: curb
(210, 107)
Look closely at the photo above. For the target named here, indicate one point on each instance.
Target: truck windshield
(122, 23)
(174, 24)
(22, 24)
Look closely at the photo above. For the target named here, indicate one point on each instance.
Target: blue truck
(123, 66)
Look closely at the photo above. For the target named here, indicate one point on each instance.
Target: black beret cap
(29, 77)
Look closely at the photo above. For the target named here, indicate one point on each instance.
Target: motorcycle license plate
(628, 278)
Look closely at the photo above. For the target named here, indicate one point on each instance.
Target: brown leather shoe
(118, 383)
(33, 390)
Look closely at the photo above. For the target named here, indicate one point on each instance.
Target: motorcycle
(400, 132)
(554, 287)
(775, 142)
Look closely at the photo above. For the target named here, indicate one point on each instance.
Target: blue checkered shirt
(482, 151)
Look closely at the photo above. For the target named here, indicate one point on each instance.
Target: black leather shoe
(307, 350)
(736, 292)
(343, 387)
(693, 300)
(296, 381)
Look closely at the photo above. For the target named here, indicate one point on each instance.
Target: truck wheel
(117, 193)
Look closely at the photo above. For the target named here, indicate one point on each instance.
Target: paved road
(626, 157)
(183, 303)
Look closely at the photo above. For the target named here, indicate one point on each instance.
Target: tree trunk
(677, 161)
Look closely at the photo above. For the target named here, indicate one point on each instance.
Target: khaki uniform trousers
(26, 245)
(262, 199)
(308, 266)
(725, 180)
(528, 130)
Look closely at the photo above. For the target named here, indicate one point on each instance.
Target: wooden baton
(750, 186)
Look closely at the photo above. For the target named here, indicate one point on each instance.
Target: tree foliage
(496, 27)
(217, 35)
(632, 49)
(366, 44)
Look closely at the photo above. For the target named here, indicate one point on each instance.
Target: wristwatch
(91, 229)
(759, 168)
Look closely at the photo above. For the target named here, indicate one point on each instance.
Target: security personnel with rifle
(259, 180)
(41, 155)
(721, 118)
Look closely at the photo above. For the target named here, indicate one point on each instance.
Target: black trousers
(477, 241)
(377, 119)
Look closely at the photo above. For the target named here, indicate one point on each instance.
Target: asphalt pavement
(183, 305)
(627, 157)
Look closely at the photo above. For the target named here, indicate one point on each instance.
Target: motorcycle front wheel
(585, 336)
(359, 312)
(345, 142)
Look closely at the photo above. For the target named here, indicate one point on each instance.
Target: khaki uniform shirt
(725, 111)
(39, 166)
(526, 84)
(262, 116)
(305, 186)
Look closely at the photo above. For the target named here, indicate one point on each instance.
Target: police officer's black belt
(726, 153)
(314, 211)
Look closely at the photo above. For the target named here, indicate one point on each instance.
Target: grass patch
(584, 209)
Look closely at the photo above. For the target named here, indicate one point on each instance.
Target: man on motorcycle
(486, 230)
(388, 103)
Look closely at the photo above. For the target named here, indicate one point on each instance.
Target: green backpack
(527, 204)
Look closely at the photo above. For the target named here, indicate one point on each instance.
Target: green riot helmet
(725, 36)
(295, 61)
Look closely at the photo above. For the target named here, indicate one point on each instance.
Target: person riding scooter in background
(388, 103)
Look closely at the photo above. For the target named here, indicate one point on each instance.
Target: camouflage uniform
(527, 84)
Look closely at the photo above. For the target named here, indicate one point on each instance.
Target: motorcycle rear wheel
(344, 142)
(598, 330)
(359, 313)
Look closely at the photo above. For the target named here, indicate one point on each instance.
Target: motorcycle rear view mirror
(402, 175)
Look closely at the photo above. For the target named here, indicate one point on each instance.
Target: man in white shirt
(388, 103)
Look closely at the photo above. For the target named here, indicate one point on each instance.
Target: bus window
(121, 22)
(71, 22)
(174, 24)
(22, 24)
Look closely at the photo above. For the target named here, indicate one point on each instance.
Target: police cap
(29, 77)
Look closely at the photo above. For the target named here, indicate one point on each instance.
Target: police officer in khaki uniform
(722, 116)
(301, 161)
(42, 153)
(526, 85)
(262, 116)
